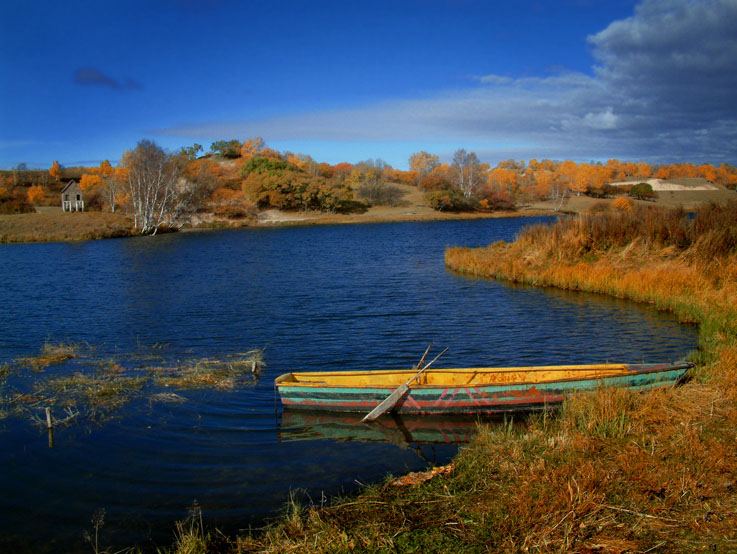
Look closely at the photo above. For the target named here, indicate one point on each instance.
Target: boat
(466, 390)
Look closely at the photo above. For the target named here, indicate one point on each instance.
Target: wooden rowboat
(466, 391)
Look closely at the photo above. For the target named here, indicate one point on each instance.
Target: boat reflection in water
(401, 430)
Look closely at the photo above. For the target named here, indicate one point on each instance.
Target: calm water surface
(342, 297)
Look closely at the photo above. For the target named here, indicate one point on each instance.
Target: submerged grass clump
(98, 388)
(51, 354)
(226, 374)
(95, 390)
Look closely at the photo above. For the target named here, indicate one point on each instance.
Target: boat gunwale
(626, 370)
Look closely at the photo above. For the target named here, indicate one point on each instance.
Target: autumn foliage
(276, 183)
(624, 204)
(36, 194)
(520, 183)
(237, 178)
(55, 171)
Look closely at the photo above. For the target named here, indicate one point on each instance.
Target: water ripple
(318, 298)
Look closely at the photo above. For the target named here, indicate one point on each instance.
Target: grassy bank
(612, 472)
(60, 226)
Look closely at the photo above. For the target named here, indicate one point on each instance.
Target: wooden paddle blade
(386, 404)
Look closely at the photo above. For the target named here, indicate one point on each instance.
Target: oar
(388, 403)
(422, 360)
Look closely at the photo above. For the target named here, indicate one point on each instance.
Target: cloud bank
(663, 89)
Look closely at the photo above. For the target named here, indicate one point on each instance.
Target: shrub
(433, 182)
(449, 200)
(16, 206)
(601, 191)
(275, 184)
(269, 166)
(643, 191)
(494, 200)
(231, 204)
(377, 193)
(624, 204)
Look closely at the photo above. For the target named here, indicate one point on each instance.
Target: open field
(688, 199)
(415, 208)
(55, 225)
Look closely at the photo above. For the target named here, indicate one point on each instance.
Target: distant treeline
(236, 179)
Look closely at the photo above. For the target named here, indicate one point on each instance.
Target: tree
(642, 170)
(104, 182)
(643, 191)
(18, 173)
(558, 193)
(227, 148)
(89, 183)
(151, 183)
(191, 152)
(423, 163)
(111, 184)
(55, 170)
(36, 194)
(504, 179)
(469, 172)
(253, 147)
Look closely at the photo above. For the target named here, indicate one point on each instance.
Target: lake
(316, 298)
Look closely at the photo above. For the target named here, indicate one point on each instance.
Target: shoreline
(51, 225)
(613, 471)
(82, 226)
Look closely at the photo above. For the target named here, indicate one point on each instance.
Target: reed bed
(614, 471)
(76, 386)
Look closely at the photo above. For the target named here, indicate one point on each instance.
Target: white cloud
(494, 79)
(602, 120)
(664, 89)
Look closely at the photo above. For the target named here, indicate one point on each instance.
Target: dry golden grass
(223, 374)
(614, 471)
(50, 354)
(60, 226)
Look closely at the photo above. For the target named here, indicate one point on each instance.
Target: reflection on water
(318, 298)
(413, 433)
(400, 430)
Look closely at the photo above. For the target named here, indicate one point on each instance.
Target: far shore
(50, 224)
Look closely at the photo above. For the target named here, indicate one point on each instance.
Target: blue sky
(655, 80)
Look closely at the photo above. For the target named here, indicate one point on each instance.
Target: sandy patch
(276, 217)
(663, 185)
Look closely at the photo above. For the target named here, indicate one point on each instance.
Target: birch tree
(469, 172)
(151, 184)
